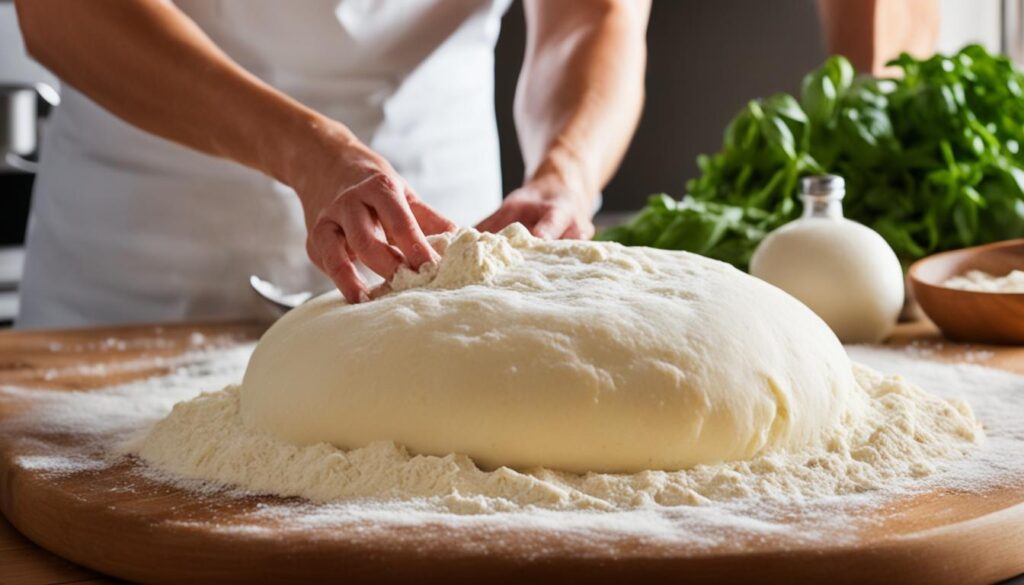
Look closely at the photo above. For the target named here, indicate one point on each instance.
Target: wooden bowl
(964, 315)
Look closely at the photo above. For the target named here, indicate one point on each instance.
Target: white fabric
(129, 227)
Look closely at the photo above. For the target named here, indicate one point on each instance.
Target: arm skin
(871, 32)
(577, 105)
(149, 64)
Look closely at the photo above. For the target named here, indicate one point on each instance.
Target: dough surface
(568, 355)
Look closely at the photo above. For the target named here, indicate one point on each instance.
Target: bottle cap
(823, 185)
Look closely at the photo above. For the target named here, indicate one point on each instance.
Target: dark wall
(706, 59)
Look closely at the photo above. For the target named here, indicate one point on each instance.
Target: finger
(497, 220)
(552, 224)
(430, 220)
(572, 232)
(365, 239)
(586, 229)
(329, 244)
(383, 195)
(579, 229)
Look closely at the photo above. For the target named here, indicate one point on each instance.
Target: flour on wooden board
(769, 496)
(906, 435)
(685, 363)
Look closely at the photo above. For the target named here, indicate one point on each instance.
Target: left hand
(548, 208)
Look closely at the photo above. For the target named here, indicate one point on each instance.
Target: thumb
(553, 224)
(496, 221)
(431, 222)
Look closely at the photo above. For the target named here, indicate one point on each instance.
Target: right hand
(359, 209)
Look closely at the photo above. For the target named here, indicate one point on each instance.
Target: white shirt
(128, 227)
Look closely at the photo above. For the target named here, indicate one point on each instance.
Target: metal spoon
(275, 296)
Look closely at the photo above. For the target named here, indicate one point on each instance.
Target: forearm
(149, 64)
(581, 90)
(871, 32)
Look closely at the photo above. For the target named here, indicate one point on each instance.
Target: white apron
(128, 227)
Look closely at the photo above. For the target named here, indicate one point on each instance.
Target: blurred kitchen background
(706, 59)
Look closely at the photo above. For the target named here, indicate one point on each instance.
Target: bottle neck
(828, 205)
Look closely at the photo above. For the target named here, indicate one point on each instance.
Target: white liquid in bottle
(844, 271)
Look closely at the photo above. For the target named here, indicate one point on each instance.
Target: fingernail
(363, 296)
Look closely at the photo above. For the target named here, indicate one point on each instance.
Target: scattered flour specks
(905, 435)
(700, 507)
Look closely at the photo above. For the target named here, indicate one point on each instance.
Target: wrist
(312, 147)
(562, 175)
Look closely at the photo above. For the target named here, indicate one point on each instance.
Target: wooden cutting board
(117, 522)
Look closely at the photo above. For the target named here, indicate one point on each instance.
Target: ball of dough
(576, 356)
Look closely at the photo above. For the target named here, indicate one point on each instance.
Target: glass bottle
(844, 271)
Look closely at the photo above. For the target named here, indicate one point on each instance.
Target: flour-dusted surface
(906, 435)
(569, 355)
(113, 415)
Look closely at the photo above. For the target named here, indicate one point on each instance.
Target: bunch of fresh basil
(932, 161)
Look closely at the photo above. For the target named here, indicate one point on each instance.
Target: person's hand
(359, 209)
(548, 208)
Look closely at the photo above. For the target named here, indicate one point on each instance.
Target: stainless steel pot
(22, 106)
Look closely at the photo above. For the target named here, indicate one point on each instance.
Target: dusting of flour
(774, 495)
(470, 258)
(900, 440)
(906, 435)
